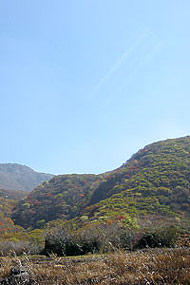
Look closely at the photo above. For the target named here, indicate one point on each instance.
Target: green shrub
(161, 237)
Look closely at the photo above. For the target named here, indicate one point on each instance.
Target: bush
(95, 238)
(106, 238)
(19, 247)
(13, 247)
(63, 242)
(161, 237)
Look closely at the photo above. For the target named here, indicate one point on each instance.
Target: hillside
(15, 176)
(12, 194)
(8, 200)
(162, 164)
(62, 197)
(154, 182)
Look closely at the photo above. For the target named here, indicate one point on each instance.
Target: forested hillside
(8, 200)
(62, 197)
(155, 181)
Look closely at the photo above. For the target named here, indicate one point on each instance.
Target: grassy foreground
(152, 266)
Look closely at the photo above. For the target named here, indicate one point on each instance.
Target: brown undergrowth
(158, 266)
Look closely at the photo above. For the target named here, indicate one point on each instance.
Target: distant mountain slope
(15, 176)
(155, 181)
(12, 194)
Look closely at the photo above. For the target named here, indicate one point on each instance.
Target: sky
(84, 84)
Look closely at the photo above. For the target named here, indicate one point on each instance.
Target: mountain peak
(14, 176)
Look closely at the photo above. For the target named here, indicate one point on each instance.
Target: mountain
(15, 176)
(12, 194)
(61, 197)
(154, 182)
(161, 164)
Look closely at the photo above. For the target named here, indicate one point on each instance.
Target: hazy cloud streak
(141, 62)
(121, 60)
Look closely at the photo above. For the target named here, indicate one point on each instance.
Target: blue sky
(85, 83)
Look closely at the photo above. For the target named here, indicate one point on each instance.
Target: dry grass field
(151, 266)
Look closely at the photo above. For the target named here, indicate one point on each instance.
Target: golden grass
(158, 266)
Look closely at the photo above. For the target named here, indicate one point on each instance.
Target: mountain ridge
(15, 176)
